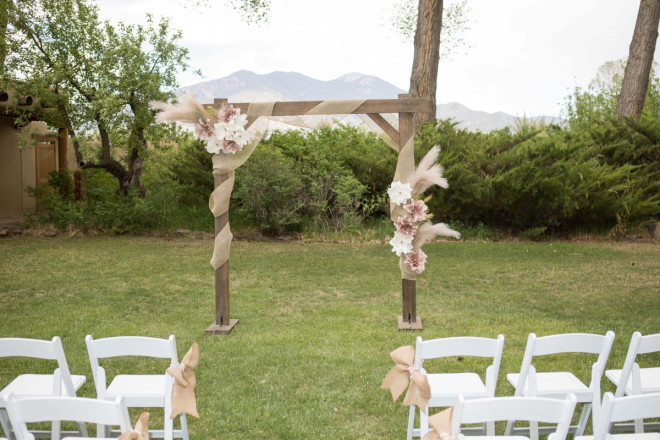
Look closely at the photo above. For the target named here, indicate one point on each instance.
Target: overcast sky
(522, 56)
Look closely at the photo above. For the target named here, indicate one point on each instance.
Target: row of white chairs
(136, 390)
(445, 387)
(555, 411)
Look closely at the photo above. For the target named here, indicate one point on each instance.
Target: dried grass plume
(186, 109)
(428, 173)
(427, 232)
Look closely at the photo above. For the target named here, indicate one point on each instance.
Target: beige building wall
(17, 167)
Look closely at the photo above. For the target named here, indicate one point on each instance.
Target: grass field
(317, 321)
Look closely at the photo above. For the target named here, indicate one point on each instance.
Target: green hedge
(538, 180)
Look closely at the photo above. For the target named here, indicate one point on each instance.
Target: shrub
(551, 180)
(268, 191)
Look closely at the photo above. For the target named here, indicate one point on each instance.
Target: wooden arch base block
(413, 325)
(216, 328)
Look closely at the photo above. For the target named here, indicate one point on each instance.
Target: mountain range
(246, 86)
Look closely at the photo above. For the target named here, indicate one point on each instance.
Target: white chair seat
(138, 390)
(640, 436)
(34, 385)
(448, 385)
(649, 378)
(556, 384)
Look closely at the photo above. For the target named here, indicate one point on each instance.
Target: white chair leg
(584, 416)
(168, 433)
(4, 423)
(82, 429)
(184, 427)
(489, 429)
(509, 427)
(55, 432)
(639, 426)
(533, 430)
(100, 431)
(411, 422)
(423, 422)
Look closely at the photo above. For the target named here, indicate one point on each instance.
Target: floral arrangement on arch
(223, 130)
(414, 227)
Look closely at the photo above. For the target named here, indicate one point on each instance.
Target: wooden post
(408, 319)
(223, 323)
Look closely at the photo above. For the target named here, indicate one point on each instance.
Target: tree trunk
(4, 10)
(424, 75)
(640, 59)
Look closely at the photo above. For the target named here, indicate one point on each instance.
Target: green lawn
(317, 321)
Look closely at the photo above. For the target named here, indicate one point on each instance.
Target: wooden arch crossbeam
(405, 106)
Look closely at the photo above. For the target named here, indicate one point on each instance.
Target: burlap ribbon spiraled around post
(183, 388)
(258, 115)
(405, 167)
(140, 431)
(441, 424)
(226, 164)
(404, 375)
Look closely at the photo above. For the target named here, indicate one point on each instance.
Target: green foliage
(99, 78)
(552, 180)
(593, 173)
(343, 174)
(62, 182)
(268, 191)
(190, 165)
(103, 209)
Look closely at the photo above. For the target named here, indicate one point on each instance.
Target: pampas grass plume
(427, 232)
(428, 173)
(186, 109)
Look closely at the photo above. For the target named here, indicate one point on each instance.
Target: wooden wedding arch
(405, 106)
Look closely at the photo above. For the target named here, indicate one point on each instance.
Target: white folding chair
(538, 409)
(59, 383)
(558, 384)
(40, 409)
(633, 380)
(446, 386)
(619, 409)
(138, 390)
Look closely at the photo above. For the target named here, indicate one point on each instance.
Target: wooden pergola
(405, 106)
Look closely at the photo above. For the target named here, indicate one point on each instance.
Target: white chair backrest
(566, 343)
(493, 409)
(459, 346)
(79, 409)
(638, 345)
(619, 409)
(127, 346)
(131, 346)
(40, 349)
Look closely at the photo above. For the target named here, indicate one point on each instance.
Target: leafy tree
(640, 60)
(596, 105)
(99, 77)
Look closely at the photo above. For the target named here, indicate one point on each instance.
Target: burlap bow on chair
(441, 424)
(141, 430)
(404, 375)
(183, 388)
